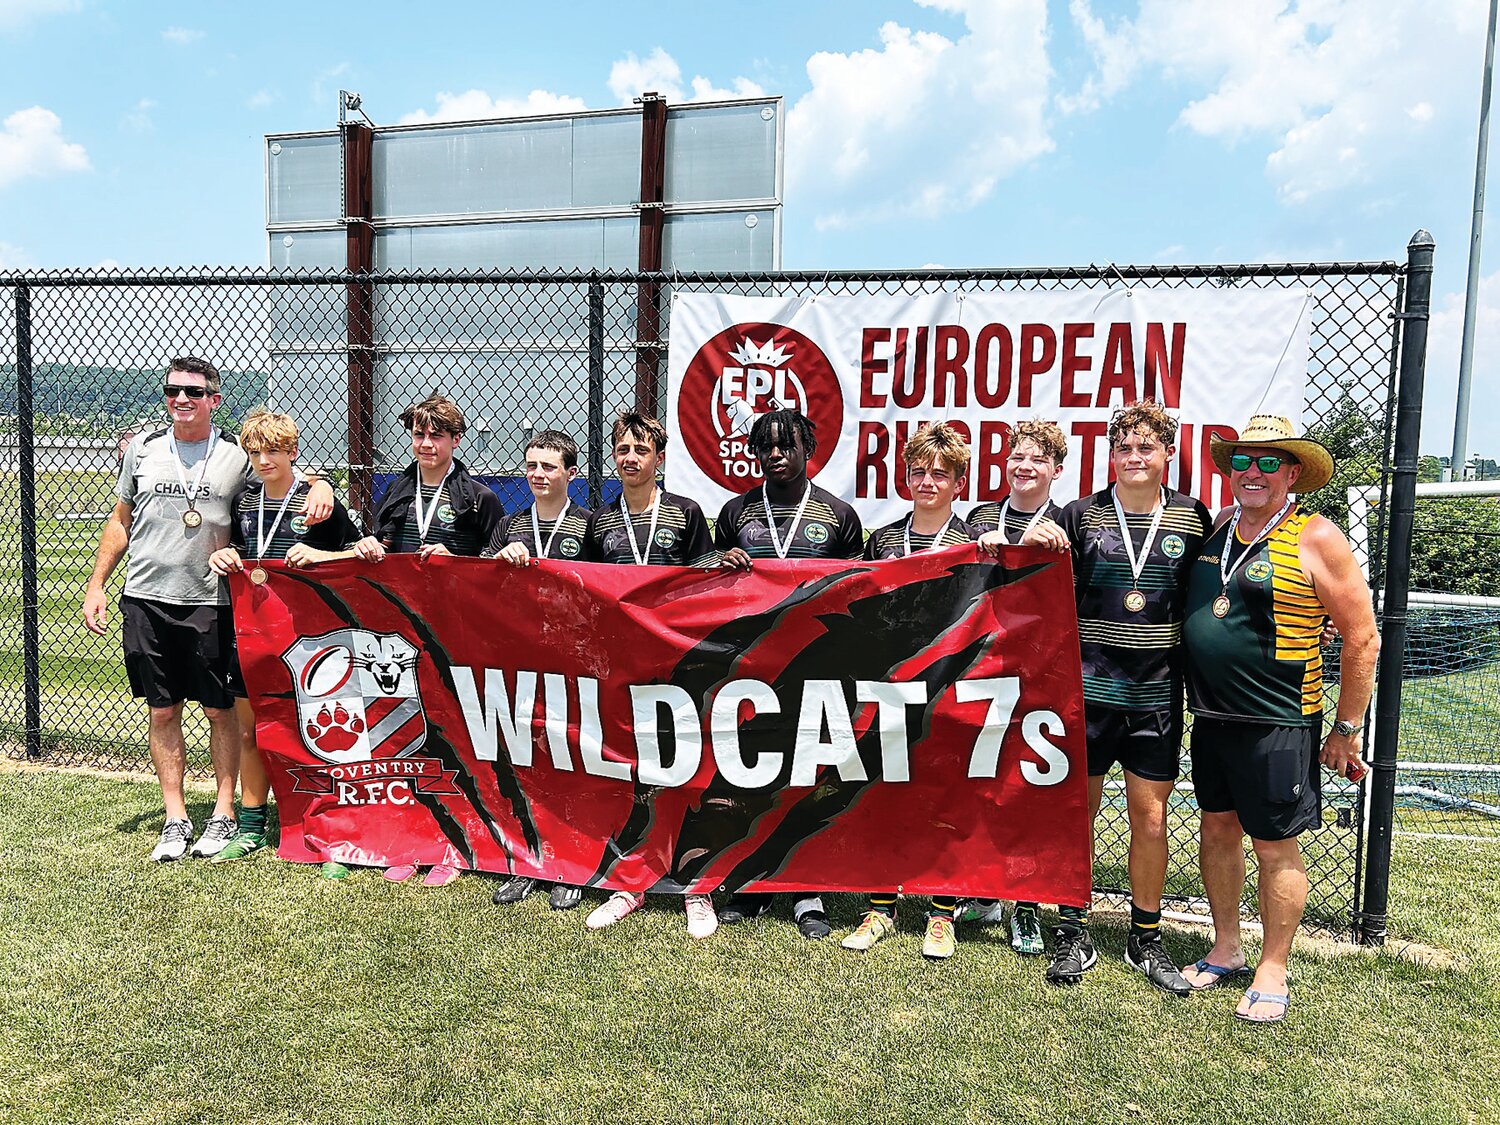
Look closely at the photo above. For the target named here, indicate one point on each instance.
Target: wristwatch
(1345, 728)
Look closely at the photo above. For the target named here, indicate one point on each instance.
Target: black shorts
(1268, 775)
(1147, 743)
(235, 679)
(177, 652)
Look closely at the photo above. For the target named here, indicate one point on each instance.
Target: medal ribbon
(424, 519)
(1226, 571)
(936, 539)
(262, 540)
(655, 507)
(191, 490)
(1036, 518)
(536, 530)
(1137, 564)
(782, 552)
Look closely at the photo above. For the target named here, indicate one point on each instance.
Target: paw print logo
(334, 730)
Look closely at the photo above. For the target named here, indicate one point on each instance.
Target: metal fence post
(1370, 919)
(596, 391)
(26, 462)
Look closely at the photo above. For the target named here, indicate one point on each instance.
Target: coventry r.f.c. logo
(357, 695)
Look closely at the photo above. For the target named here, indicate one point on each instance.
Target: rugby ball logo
(357, 695)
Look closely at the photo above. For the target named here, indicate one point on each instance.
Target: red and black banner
(813, 725)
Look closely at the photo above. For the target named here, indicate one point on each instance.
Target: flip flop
(1284, 999)
(1218, 974)
(440, 876)
(400, 873)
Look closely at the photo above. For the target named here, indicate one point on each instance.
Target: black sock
(1075, 915)
(1144, 923)
(944, 906)
(885, 904)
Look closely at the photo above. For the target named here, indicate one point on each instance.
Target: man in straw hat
(1258, 596)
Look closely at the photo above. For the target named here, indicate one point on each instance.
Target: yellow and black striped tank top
(1262, 661)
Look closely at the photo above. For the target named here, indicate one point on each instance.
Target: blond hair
(934, 441)
(265, 429)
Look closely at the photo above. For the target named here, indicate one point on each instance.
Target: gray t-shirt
(168, 559)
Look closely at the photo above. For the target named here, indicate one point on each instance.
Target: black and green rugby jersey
(1132, 660)
(681, 537)
(333, 534)
(890, 541)
(1263, 661)
(986, 517)
(566, 544)
(830, 527)
(459, 536)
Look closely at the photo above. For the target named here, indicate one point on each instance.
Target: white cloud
(13, 257)
(658, 72)
(32, 144)
(922, 125)
(138, 120)
(16, 13)
(472, 105)
(260, 99)
(321, 94)
(182, 36)
(1328, 81)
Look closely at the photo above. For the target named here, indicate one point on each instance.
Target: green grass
(261, 993)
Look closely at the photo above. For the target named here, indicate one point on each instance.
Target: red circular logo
(748, 370)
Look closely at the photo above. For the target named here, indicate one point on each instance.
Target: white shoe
(619, 905)
(216, 835)
(176, 835)
(701, 919)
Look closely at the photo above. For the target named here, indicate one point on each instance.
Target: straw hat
(1270, 431)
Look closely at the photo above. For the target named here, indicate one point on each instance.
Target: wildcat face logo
(357, 695)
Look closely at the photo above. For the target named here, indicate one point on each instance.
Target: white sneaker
(701, 919)
(619, 905)
(176, 835)
(217, 833)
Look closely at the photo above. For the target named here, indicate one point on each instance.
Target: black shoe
(1149, 956)
(745, 908)
(513, 890)
(564, 897)
(1072, 954)
(814, 925)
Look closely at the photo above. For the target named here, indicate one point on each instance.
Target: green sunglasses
(1269, 463)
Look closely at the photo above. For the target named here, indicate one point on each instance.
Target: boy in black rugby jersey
(1037, 452)
(787, 517)
(553, 527)
(268, 521)
(937, 464)
(433, 508)
(648, 525)
(1133, 545)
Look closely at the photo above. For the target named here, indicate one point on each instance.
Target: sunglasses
(173, 390)
(1269, 463)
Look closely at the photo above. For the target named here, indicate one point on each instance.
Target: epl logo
(743, 372)
(357, 695)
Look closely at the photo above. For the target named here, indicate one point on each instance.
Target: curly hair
(1147, 415)
(936, 441)
(1047, 436)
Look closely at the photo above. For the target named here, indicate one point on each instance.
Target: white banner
(868, 370)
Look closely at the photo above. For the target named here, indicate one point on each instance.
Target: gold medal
(1221, 606)
(192, 517)
(259, 576)
(1135, 601)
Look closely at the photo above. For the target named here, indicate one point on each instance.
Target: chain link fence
(518, 353)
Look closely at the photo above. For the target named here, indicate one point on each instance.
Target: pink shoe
(400, 873)
(616, 906)
(440, 876)
(701, 919)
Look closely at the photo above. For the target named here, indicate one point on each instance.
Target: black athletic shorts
(1268, 775)
(178, 652)
(1147, 743)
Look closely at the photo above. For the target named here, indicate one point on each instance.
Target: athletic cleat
(745, 908)
(814, 926)
(440, 875)
(217, 833)
(333, 869)
(1026, 932)
(939, 943)
(1151, 957)
(979, 912)
(619, 905)
(1072, 954)
(564, 897)
(243, 843)
(701, 919)
(176, 835)
(873, 927)
(513, 890)
(399, 873)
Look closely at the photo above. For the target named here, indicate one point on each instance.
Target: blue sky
(920, 132)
